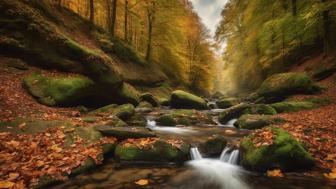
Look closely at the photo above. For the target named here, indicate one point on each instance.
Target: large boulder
(213, 146)
(231, 113)
(274, 148)
(184, 117)
(152, 149)
(227, 102)
(284, 84)
(147, 97)
(125, 132)
(250, 122)
(182, 99)
(63, 91)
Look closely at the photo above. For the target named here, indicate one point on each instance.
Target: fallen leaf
(142, 182)
(13, 176)
(331, 175)
(275, 173)
(6, 184)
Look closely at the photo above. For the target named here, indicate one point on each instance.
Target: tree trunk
(294, 7)
(108, 15)
(326, 28)
(92, 12)
(126, 21)
(114, 16)
(150, 18)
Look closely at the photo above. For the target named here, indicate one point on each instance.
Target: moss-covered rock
(147, 97)
(260, 109)
(154, 150)
(184, 117)
(125, 111)
(164, 101)
(294, 106)
(128, 94)
(87, 165)
(213, 146)
(231, 113)
(285, 153)
(63, 91)
(144, 107)
(182, 99)
(284, 84)
(125, 132)
(137, 120)
(248, 121)
(46, 181)
(166, 120)
(227, 102)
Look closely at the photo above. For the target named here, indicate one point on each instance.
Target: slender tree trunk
(326, 27)
(92, 12)
(294, 7)
(114, 16)
(126, 21)
(150, 18)
(108, 15)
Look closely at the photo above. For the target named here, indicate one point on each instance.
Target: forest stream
(200, 172)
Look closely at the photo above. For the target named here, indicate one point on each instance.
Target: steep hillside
(61, 40)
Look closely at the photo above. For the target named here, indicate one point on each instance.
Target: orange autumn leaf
(331, 175)
(275, 173)
(142, 182)
(6, 184)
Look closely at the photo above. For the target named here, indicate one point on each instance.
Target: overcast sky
(209, 11)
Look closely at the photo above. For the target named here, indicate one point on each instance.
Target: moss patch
(182, 99)
(285, 153)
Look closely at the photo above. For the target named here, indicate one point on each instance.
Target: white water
(223, 172)
(152, 126)
(230, 156)
(231, 122)
(195, 154)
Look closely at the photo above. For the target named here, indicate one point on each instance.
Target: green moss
(256, 121)
(182, 99)
(214, 145)
(53, 91)
(147, 97)
(128, 94)
(324, 72)
(260, 109)
(284, 84)
(159, 151)
(227, 102)
(232, 113)
(293, 106)
(166, 120)
(286, 153)
(125, 111)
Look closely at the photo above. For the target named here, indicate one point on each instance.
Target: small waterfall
(230, 156)
(231, 122)
(224, 173)
(195, 154)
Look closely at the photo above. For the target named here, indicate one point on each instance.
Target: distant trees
(264, 37)
(92, 11)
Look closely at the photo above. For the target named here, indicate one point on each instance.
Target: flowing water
(222, 172)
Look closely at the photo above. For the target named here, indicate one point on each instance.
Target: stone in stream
(285, 153)
(224, 103)
(152, 149)
(182, 99)
(184, 117)
(250, 122)
(123, 112)
(125, 132)
(144, 107)
(281, 85)
(213, 146)
(147, 97)
(231, 113)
